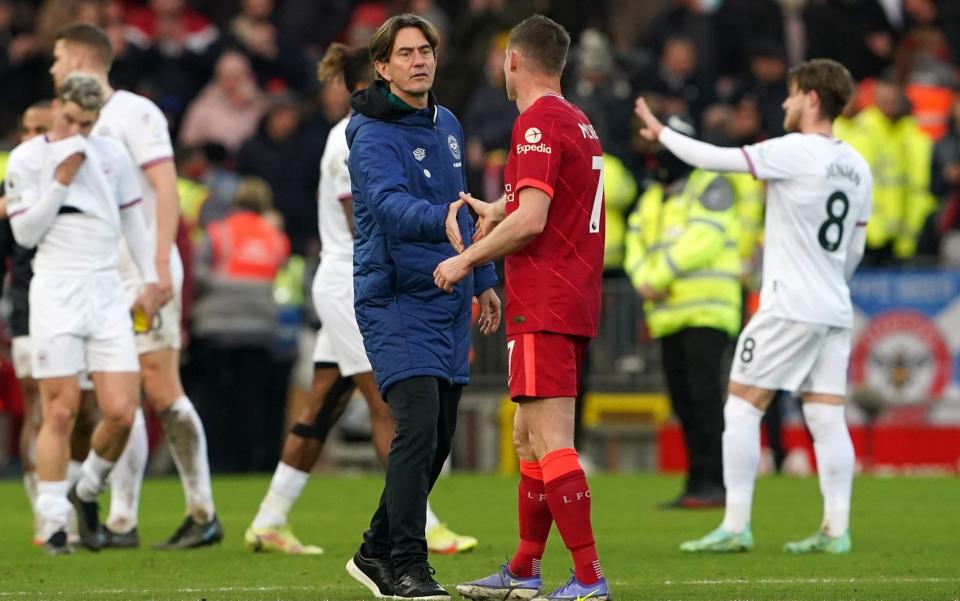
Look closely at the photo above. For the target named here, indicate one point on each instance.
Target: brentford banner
(906, 345)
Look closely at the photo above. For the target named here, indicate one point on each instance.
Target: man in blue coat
(406, 167)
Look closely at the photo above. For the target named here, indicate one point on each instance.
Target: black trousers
(695, 362)
(426, 412)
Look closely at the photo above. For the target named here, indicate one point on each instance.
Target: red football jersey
(553, 283)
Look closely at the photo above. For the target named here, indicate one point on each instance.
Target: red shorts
(544, 364)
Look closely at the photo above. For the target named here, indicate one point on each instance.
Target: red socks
(535, 521)
(568, 497)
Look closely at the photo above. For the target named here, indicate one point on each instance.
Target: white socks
(53, 506)
(93, 478)
(188, 445)
(127, 478)
(432, 519)
(741, 457)
(285, 488)
(835, 463)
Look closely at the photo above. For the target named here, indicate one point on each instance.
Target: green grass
(906, 535)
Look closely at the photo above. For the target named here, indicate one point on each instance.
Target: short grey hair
(83, 89)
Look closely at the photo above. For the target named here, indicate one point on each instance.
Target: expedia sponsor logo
(541, 147)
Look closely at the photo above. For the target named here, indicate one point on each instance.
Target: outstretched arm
(693, 152)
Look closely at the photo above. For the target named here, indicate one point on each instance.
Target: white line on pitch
(886, 579)
(128, 591)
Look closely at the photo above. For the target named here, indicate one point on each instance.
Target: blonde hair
(253, 194)
(82, 89)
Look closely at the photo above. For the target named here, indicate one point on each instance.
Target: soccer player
(340, 361)
(36, 122)
(406, 172)
(818, 202)
(550, 229)
(73, 197)
(142, 128)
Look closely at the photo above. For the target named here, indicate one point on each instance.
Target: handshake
(459, 266)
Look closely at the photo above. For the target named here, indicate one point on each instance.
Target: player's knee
(119, 415)
(160, 382)
(59, 418)
(521, 442)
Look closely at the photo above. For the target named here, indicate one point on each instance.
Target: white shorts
(781, 354)
(22, 351)
(165, 333)
(339, 340)
(80, 323)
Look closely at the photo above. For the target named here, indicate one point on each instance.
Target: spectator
(21, 61)
(602, 92)
(234, 324)
(171, 26)
(684, 19)
(127, 71)
(899, 156)
(275, 61)
(741, 24)
(205, 166)
(228, 109)
(677, 81)
(945, 175)
(487, 123)
(768, 84)
(855, 32)
(286, 156)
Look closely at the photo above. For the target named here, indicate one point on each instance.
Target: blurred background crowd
(236, 79)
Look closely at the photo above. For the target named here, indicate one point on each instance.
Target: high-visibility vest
(620, 190)
(687, 246)
(247, 246)
(749, 196)
(899, 155)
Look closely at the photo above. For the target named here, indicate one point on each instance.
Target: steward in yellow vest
(682, 256)
(899, 154)
(682, 242)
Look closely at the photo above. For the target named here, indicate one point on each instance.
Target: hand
(489, 214)
(165, 281)
(651, 125)
(148, 301)
(68, 168)
(648, 293)
(489, 312)
(449, 272)
(453, 227)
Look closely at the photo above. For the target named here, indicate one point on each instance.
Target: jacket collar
(377, 102)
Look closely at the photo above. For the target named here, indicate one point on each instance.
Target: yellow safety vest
(620, 190)
(899, 156)
(749, 194)
(690, 251)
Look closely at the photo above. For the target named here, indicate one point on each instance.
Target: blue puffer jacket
(406, 167)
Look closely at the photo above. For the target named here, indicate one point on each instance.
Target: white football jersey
(141, 127)
(818, 192)
(83, 239)
(335, 238)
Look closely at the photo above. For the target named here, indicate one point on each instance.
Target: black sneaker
(191, 535)
(121, 540)
(373, 573)
(418, 583)
(58, 544)
(88, 520)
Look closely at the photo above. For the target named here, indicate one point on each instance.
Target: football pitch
(906, 543)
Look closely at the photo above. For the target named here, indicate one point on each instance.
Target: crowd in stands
(237, 81)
